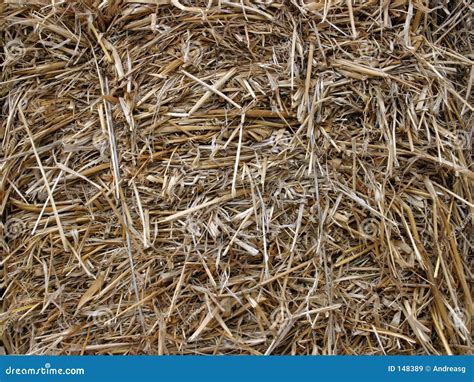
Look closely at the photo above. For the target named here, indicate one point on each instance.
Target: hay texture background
(236, 177)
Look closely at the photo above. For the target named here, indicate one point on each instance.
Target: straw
(236, 177)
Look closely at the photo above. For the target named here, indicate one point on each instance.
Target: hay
(236, 177)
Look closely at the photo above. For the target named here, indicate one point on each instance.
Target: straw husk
(236, 177)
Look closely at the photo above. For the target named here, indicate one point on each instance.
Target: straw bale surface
(236, 177)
